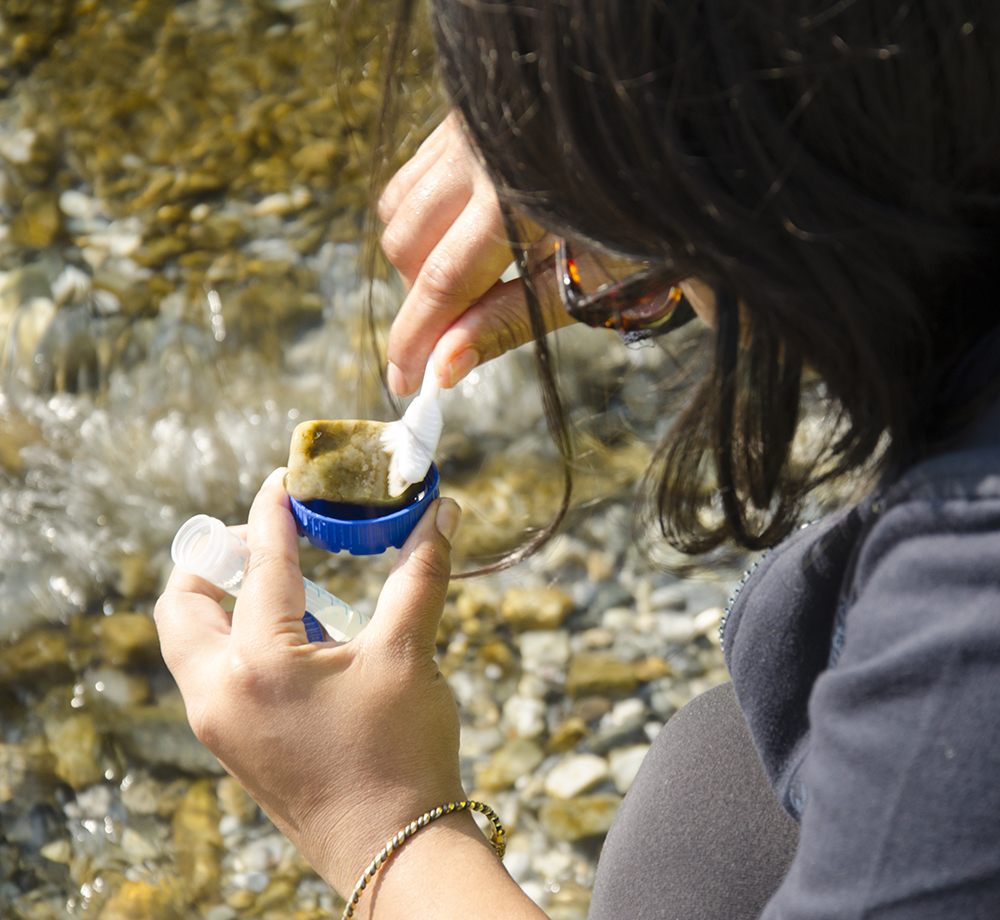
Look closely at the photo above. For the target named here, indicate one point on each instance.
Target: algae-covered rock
(342, 461)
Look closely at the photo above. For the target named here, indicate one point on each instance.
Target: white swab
(412, 440)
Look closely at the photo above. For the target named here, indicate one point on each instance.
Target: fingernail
(461, 365)
(448, 516)
(275, 476)
(396, 380)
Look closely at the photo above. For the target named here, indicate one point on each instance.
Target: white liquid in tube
(205, 547)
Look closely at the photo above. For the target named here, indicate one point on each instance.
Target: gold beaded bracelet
(499, 841)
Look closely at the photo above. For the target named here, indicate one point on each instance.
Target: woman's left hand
(340, 743)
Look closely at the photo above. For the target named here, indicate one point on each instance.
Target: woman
(821, 178)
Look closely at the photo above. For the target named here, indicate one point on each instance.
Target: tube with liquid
(205, 547)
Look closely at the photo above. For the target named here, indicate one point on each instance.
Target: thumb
(412, 599)
(272, 597)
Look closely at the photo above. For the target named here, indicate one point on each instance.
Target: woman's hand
(445, 235)
(341, 744)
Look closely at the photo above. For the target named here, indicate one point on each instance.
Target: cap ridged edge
(365, 537)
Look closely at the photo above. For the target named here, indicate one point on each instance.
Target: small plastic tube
(205, 547)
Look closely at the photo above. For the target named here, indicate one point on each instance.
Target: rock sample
(342, 461)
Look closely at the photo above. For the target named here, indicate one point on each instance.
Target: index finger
(464, 265)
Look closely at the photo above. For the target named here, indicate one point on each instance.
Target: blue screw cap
(336, 526)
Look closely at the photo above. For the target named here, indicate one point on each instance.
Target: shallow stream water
(179, 286)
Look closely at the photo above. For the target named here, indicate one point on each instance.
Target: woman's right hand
(445, 235)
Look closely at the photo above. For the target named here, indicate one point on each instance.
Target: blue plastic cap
(335, 526)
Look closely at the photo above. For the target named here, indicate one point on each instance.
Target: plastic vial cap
(333, 526)
(204, 547)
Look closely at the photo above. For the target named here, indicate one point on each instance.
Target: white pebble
(525, 716)
(74, 203)
(137, 848)
(478, 741)
(625, 763)
(229, 824)
(93, 802)
(71, 283)
(575, 774)
(553, 865)
(678, 628)
(278, 203)
(618, 619)
(251, 881)
(623, 712)
(707, 622)
(545, 646)
(531, 685)
(16, 146)
(671, 597)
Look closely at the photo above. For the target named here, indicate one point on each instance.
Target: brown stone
(197, 840)
(499, 653)
(128, 638)
(16, 432)
(598, 674)
(568, 734)
(76, 746)
(342, 461)
(579, 818)
(535, 608)
(516, 758)
(139, 900)
(43, 650)
(38, 220)
(651, 668)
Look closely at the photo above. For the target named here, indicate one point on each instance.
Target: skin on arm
(341, 744)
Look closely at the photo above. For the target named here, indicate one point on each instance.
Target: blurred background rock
(182, 197)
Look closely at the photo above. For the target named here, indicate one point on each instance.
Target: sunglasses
(639, 306)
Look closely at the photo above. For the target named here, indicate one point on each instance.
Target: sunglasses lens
(637, 306)
(652, 310)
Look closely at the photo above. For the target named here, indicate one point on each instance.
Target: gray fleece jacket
(865, 655)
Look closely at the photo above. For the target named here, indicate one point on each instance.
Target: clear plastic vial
(205, 547)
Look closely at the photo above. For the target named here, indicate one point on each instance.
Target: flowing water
(180, 284)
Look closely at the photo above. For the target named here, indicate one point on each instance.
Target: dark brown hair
(830, 169)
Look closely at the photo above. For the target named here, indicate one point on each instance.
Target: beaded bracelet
(499, 841)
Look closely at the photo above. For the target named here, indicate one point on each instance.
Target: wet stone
(593, 674)
(160, 735)
(76, 746)
(579, 818)
(38, 220)
(567, 735)
(341, 461)
(44, 650)
(515, 759)
(525, 716)
(197, 841)
(535, 608)
(624, 764)
(234, 800)
(576, 774)
(127, 638)
(139, 900)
